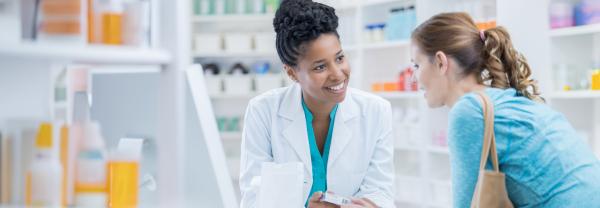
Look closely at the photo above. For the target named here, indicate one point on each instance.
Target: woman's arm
(465, 139)
(378, 183)
(256, 149)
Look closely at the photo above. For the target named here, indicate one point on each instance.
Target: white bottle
(81, 102)
(90, 185)
(45, 174)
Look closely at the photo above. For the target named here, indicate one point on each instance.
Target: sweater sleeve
(465, 140)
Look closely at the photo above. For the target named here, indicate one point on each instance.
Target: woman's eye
(340, 59)
(415, 66)
(320, 68)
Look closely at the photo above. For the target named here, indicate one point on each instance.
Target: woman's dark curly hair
(298, 22)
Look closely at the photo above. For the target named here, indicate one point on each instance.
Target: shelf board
(250, 54)
(234, 18)
(399, 44)
(573, 31)
(90, 54)
(400, 95)
(578, 94)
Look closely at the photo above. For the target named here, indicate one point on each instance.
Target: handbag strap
(489, 138)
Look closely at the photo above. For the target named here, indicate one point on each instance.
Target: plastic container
(208, 43)
(137, 23)
(587, 12)
(264, 42)
(379, 32)
(561, 14)
(112, 23)
(123, 173)
(237, 84)
(68, 151)
(63, 21)
(44, 179)
(238, 43)
(266, 82)
(90, 185)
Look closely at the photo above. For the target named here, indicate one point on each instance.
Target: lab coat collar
(295, 131)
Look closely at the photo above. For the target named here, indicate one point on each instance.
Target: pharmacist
(343, 136)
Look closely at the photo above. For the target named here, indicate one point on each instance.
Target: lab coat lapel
(342, 128)
(295, 130)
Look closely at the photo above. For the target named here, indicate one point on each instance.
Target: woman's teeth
(337, 87)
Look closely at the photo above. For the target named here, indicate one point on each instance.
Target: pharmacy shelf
(231, 136)
(400, 44)
(573, 31)
(400, 95)
(581, 94)
(234, 18)
(91, 54)
(250, 54)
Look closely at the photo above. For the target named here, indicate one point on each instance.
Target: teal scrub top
(319, 161)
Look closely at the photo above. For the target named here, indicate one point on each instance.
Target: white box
(214, 84)
(266, 82)
(237, 85)
(264, 42)
(238, 42)
(208, 43)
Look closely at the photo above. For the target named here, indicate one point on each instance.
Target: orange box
(61, 7)
(122, 184)
(112, 28)
(377, 87)
(390, 86)
(62, 27)
(596, 80)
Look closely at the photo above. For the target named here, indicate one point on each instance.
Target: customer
(546, 163)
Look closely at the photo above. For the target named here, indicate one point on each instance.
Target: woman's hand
(360, 203)
(314, 202)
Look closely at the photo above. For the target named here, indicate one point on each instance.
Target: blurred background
(97, 71)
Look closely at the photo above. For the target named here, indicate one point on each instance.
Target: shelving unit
(575, 31)
(28, 81)
(93, 54)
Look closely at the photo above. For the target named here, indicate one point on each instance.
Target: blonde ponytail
(506, 67)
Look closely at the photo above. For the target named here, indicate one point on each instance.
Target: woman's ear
(290, 72)
(441, 62)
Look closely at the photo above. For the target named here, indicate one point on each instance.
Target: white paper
(281, 185)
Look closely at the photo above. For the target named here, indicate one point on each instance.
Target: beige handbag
(490, 191)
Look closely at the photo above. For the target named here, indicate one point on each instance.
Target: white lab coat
(361, 154)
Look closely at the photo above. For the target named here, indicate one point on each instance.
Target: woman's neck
(320, 110)
(462, 87)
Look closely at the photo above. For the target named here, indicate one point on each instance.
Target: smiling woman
(341, 135)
